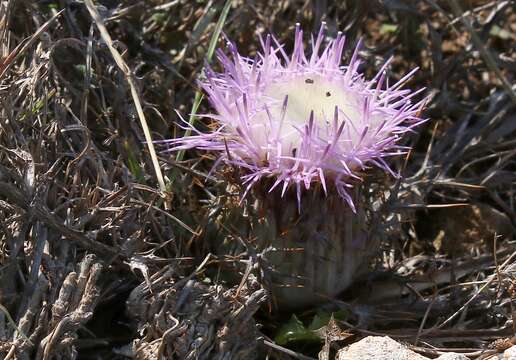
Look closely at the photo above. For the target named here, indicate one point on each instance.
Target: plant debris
(100, 237)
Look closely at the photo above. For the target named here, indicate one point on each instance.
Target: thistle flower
(299, 120)
(294, 122)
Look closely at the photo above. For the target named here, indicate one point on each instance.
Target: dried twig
(134, 92)
(488, 58)
(43, 214)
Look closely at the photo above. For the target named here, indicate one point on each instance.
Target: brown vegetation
(90, 218)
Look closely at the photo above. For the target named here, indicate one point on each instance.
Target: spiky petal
(299, 119)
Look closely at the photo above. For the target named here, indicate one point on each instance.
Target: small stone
(510, 353)
(378, 348)
(452, 356)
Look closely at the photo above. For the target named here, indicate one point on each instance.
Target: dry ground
(88, 223)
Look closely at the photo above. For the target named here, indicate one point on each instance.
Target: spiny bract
(299, 119)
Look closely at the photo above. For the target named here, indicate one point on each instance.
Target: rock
(510, 353)
(378, 348)
(452, 356)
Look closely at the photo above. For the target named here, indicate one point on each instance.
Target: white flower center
(305, 94)
(312, 93)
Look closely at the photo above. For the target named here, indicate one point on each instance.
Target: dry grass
(87, 215)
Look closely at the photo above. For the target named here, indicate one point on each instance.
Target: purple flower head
(299, 119)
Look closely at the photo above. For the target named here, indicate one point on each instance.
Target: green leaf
(133, 165)
(500, 33)
(320, 319)
(294, 330)
(209, 55)
(159, 17)
(388, 28)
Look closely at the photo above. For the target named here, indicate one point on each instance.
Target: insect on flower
(299, 119)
